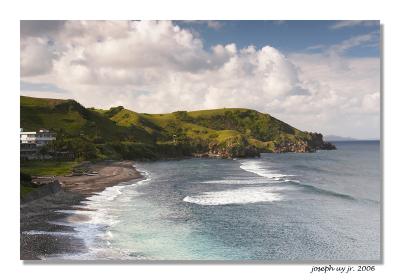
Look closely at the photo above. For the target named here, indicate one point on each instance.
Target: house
(32, 141)
(40, 138)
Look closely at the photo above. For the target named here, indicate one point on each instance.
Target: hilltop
(119, 133)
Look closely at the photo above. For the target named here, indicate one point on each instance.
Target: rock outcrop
(42, 191)
(233, 147)
(295, 147)
(317, 142)
(314, 143)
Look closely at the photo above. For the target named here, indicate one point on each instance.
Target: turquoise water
(314, 206)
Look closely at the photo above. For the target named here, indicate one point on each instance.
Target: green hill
(120, 133)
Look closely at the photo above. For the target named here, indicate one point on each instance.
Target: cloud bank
(157, 66)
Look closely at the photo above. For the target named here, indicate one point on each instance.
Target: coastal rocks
(233, 147)
(200, 155)
(327, 146)
(42, 191)
(318, 143)
(294, 147)
(314, 143)
(238, 146)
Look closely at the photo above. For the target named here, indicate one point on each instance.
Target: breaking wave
(252, 181)
(101, 211)
(237, 196)
(254, 167)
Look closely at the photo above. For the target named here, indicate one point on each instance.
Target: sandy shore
(39, 237)
(109, 174)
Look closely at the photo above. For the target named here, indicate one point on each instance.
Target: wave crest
(237, 196)
(255, 167)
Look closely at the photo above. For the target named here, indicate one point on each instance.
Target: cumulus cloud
(344, 91)
(40, 27)
(36, 57)
(371, 102)
(157, 66)
(212, 24)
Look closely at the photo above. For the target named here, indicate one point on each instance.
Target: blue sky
(321, 76)
(287, 36)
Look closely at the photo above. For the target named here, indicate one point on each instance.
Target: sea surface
(280, 207)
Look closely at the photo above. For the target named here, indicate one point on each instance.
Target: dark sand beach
(40, 237)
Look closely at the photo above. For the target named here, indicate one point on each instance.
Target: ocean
(279, 207)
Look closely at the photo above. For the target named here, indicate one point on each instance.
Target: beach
(40, 236)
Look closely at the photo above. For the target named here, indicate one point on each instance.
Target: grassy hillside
(120, 133)
(45, 168)
(68, 117)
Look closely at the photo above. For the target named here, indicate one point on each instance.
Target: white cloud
(36, 28)
(36, 57)
(371, 102)
(213, 24)
(355, 42)
(344, 91)
(154, 67)
(351, 23)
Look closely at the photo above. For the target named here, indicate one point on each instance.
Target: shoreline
(39, 236)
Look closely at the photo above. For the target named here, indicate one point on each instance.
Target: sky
(320, 76)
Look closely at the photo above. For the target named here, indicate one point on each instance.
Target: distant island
(119, 133)
(339, 138)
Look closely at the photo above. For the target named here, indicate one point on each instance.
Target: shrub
(25, 177)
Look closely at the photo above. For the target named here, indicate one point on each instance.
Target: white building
(40, 138)
(32, 141)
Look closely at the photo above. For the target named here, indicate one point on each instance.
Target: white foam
(102, 213)
(256, 168)
(237, 196)
(242, 181)
(108, 253)
(294, 181)
(54, 233)
(108, 194)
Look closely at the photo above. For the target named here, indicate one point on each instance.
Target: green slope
(121, 133)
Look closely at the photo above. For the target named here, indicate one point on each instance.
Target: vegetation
(26, 185)
(26, 189)
(45, 168)
(119, 133)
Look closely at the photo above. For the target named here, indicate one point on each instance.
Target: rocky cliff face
(237, 147)
(296, 147)
(318, 143)
(315, 142)
(302, 147)
(233, 151)
(233, 147)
